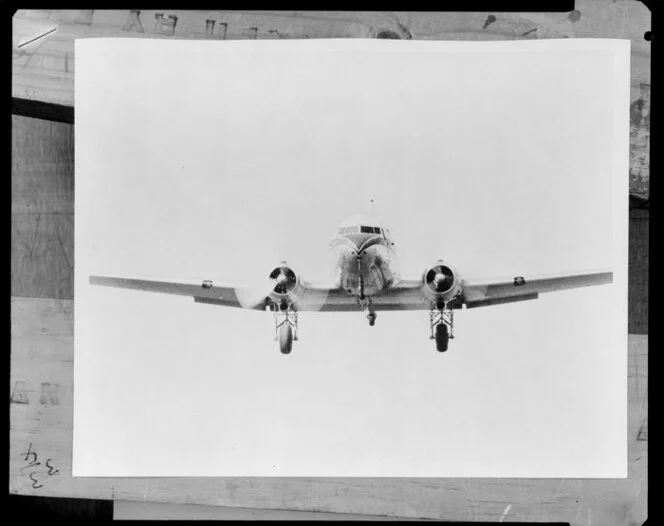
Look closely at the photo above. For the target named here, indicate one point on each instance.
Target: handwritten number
(51, 470)
(31, 457)
(35, 482)
(30, 452)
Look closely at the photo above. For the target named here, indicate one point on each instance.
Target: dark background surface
(41, 508)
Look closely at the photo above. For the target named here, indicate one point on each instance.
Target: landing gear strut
(442, 327)
(360, 291)
(285, 329)
(365, 304)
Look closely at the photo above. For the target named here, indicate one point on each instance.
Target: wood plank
(41, 431)
(129, 510)
(44, 70)
(42, 259)
(638, 268)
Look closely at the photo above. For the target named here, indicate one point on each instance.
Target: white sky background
(216, 160)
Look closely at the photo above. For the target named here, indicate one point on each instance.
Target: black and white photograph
(360, 258)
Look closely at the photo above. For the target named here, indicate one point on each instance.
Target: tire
(442, 337)
(285, 338)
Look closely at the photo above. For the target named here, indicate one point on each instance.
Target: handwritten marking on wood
(50, 394)
(20, 393)
(51, 470)
(643, 432)
(389, 34)
(165, 26)
(133, 21)
(209, 29)
(251, 32)
(277, 34)
(406, 33)
(35, 482)
(574, 16)
(37, 476)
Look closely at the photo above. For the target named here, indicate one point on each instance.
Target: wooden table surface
(42, 273)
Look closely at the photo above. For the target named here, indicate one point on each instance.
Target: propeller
(283, 279)
(252, 296)
(440, 279)
(280, 281)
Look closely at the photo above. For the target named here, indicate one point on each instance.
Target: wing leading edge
(520, 288)
(405, 295)
(202, 291)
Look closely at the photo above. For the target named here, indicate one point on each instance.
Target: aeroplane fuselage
(366, 261)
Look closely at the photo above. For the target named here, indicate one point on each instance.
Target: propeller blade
(253, 295)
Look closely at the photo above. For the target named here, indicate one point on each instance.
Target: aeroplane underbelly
(372, 268)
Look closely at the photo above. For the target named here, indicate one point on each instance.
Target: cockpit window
(361, 229)
(370, 230)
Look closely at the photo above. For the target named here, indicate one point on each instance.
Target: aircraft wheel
(442, 337)
(372, 319)
(285, 338)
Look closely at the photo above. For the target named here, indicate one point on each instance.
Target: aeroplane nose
(359, 243)
(355, 241)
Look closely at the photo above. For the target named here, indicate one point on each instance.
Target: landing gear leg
(442, 327)
(365, 304)
(361, 281)
(285, 329)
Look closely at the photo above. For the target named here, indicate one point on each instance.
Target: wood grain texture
(131, 510)
(42, 259)
(638, 267)
(41, 430)
(44, 70)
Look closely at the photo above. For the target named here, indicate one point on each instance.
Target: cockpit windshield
(360, 229)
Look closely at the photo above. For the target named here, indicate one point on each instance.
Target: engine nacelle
(284, 283)
(441, 283)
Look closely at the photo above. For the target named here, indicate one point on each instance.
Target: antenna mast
(372, 207)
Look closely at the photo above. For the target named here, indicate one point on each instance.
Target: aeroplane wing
(202, 291)
(407, 294)
(521, 288)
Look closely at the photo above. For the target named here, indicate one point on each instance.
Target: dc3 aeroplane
(367, 280)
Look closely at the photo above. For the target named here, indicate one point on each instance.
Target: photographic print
(351, 258)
